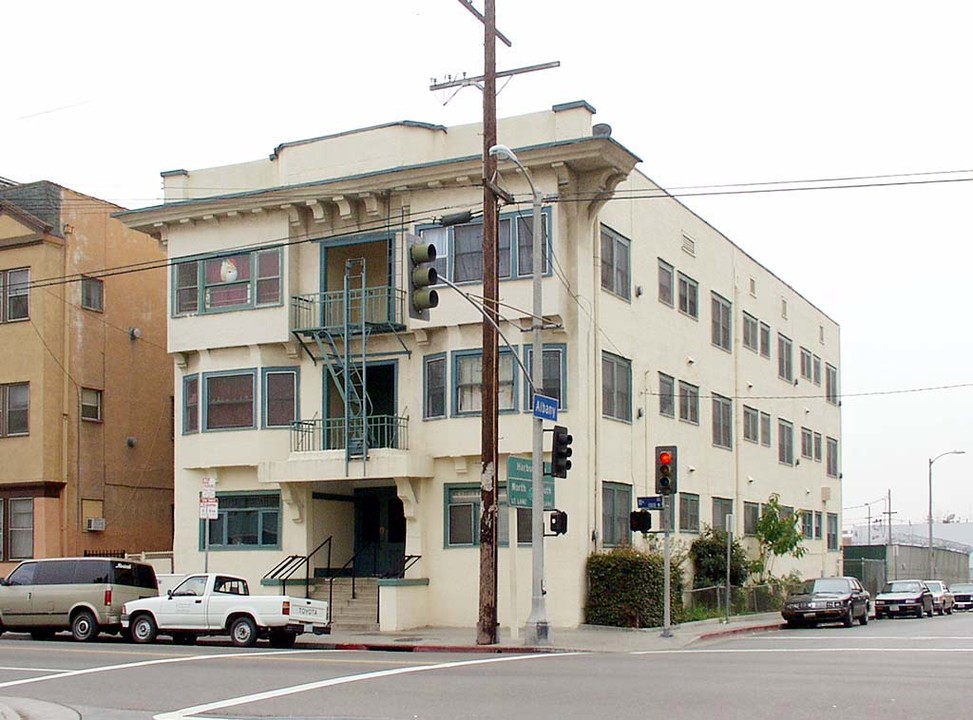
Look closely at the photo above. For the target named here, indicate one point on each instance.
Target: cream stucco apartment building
(323, 411)
(85, 425)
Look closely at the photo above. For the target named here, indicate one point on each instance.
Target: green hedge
(625, 589)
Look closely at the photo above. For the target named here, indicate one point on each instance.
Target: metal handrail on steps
(283, 570)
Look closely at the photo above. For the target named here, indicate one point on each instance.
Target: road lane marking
(800, 650)
(33, 669)
(144, 663)
(295, 689)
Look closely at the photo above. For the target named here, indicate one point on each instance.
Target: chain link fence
(746, 599)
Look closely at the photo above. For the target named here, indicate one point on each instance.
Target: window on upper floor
(722, 421)
(688, 403)
(279, 393)
(722, 322)
(817, 447)
(765, 340)
(751, 332)
(688, 512)
(245, 520)
(765, 426)
(229, 400)
(688, 296)
(553, 372)
(227, 282)
(832, 531)
(91, 408)
(831, 384)
(616, 268)
(616, 387)
(92, 294)
(616, 505)
(831, 454)
(667, 395)
(807, 442)
(190, 404)
(468, 378)
(751, 424)
(14, 295)
(434, 386)
(817, 525)
(806, 364)
(467, 255)
(815, 369)
(785, 363)
(665, 282)
(14, 409)
(785, 442)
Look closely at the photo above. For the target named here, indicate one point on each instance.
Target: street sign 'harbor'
(520, 487)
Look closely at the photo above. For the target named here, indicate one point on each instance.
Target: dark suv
(829, 599)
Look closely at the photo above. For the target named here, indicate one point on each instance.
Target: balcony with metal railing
(381, 431)
(379, 309)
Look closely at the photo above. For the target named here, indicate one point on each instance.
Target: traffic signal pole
(667, 558)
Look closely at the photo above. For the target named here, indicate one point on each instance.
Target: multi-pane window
(831, 384)
(14, 295)
(91, 404)
(21, 536)
(807, 442)
(434, 387)
(439, 237)
(688, 512)
(722, 509)
(228, 282)
(832, 531)
(246, 520)
(765, 340)
(552, 375)
(785, 367)
(806, 363)
(765, 426)
(722, 322)
(751, 516)
(722, 421)
(751, 332)
(616, 504)
(229, 401)
(665, 282)
(279, 397)
(785, 442)
(751, 424)
(616, 387)
(468, 378)
(615, 263)
(688, 402)
(817, 525)
(688, 296)
(815, 369)
(667, 391)
(92, 294)
(468, 251)
(462, 511)
(817, 446)
(525, 245)
(14, 409)
(807, 524)
(190, 404)
(831, 450)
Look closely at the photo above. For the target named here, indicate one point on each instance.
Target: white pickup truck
(220, 604)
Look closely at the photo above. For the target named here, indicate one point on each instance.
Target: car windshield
(825, 585)
(901, 587)
(935, 586)
(961, 588)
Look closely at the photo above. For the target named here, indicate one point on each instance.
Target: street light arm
(948, 452)
(502, 152)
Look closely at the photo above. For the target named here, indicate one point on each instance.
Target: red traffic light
(665, 457)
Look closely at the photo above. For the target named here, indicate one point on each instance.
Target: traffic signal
(665, 469)
(422, 275)
(559, 522)
(640, 521)
(561, 452)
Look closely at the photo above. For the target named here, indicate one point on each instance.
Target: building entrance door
(379, 532)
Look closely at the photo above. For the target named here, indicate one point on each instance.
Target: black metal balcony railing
(384, 431)
(382, 306)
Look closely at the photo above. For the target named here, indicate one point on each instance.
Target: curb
(740, 631)
(419, 648)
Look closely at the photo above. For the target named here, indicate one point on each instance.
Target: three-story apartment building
(328, 418)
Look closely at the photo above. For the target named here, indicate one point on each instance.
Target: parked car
(942, 598)
(829, 599)
(903, 597)
(962, 595)
(83, 595)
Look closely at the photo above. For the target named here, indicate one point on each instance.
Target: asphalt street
(906, 668)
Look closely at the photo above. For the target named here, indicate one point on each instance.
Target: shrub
(625, 589)
(708, 553)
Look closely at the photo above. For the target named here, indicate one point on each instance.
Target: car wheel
(143, 629)
(929, 611)
(863, 620)
(849, 619)
(84, 626)
(919, 611)
(243, 632)
(282, 639)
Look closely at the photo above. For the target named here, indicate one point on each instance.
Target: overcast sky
(101, 97)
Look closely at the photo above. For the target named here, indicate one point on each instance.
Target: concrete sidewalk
(585, 638)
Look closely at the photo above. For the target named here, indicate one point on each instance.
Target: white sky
(101, 97)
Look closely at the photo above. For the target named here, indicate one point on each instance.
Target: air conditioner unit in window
(94, 524)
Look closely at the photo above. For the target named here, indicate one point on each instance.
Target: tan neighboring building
(85, 398)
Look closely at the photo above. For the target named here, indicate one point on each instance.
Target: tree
(777, 535)
(708, 553)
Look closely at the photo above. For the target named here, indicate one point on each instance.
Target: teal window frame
(428, 388)
(506, 357)
(561, 362)
(207, 378)
(221, 525)
(614, 395)
(191, 292)
(468, 497)
(616, 506)
(190, 411)
(265, 399)
(616, 273)
(832, 529)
